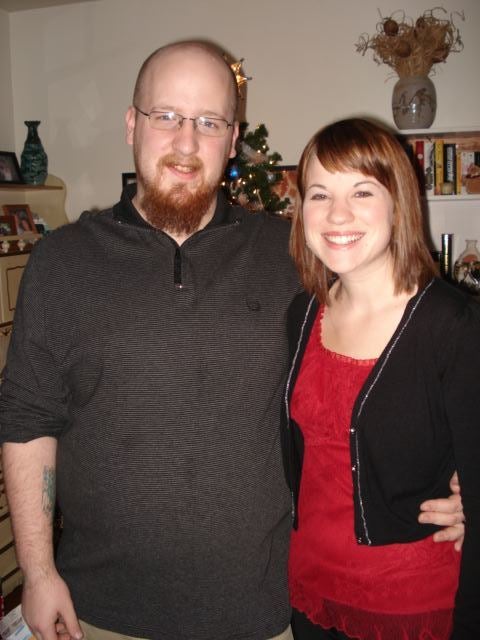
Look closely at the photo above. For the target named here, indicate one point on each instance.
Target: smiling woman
(347, 219)
(368, 154)
(375, 420)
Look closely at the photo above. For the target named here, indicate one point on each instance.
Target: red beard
(178, 211)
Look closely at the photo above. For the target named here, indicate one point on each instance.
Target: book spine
(429, 166)
(449, 168)
(420, 154)
(467, 158)
(438, 166)
(458, 171)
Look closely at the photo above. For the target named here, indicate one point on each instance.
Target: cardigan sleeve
(461, 385)
(33, 398)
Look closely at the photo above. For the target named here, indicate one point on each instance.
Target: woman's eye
(363, 194)
(318, 196)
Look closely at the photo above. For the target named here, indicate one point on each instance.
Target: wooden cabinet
(11, 271)
(49, 202)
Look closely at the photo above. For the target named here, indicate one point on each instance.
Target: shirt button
(359, 540)
(352, 430)
(354, 468)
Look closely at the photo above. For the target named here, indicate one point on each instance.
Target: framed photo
(9, 169)
(287, 187)
(128, 178)
(23, 217)
(8, 226)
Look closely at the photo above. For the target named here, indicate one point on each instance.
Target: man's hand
(447, 512)
(48, 609)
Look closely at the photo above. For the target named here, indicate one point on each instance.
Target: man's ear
(233, 150)
(130, 119)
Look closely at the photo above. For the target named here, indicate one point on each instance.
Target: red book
(420, 153)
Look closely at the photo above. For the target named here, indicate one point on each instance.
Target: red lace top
(391, 592)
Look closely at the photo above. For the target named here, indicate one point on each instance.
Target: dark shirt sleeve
(33, 398)
(462, 401)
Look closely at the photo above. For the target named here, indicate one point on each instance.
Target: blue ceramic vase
(34, 160)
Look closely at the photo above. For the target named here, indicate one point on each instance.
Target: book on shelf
(449, 185)
(458, 171)
(429, 166)
(438, 174)
(420, 153)
(444, 166)
(467, 158)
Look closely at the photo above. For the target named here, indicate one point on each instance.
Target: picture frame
(23, 215)
(130, 177)
(8, 225)
(287, 186)
(9, 168)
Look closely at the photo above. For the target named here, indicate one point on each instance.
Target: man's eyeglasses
(169, 121)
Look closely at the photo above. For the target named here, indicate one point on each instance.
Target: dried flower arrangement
(409, 47)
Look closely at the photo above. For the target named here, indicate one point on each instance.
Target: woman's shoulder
(447, 312)
(447, 299)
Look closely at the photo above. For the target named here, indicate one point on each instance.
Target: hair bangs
(345, 146)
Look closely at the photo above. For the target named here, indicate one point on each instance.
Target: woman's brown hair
(359, 145)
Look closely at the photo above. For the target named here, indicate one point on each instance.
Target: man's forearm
(29, 471)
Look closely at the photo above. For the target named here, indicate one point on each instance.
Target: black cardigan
(416, 420)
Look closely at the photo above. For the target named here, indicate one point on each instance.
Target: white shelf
(440, 131)
(454, 198)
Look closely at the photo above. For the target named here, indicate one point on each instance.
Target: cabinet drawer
(6, 535)
(11, 271)
(8, 562)
(5, 333)
(11, 582)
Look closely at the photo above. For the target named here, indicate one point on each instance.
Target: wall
(77, 74)
(7, 138)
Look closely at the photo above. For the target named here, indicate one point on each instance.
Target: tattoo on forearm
(48, 491)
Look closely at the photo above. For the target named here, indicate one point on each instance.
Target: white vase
(414, 102)
(467, 267)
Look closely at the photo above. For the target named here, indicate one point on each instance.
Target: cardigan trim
(354, 432)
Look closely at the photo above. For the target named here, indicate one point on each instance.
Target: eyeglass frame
(183, 118)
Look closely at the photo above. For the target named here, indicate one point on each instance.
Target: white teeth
(182, 168)
(342, 240)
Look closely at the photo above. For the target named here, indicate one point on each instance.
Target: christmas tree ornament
(240, 77)
(249, 179)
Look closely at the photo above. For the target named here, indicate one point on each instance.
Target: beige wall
(7, 137)
(76, 74)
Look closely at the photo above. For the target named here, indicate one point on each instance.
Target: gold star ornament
(240, 77)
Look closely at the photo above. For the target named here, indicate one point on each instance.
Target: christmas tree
(250, 176)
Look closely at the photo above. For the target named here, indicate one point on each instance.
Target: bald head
(194, 49)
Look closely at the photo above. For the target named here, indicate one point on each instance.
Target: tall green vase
(34, 160)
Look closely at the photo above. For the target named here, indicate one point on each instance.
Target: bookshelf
(453, 213)
(465, 142)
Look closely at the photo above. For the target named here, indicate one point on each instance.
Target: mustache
(172, 159)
